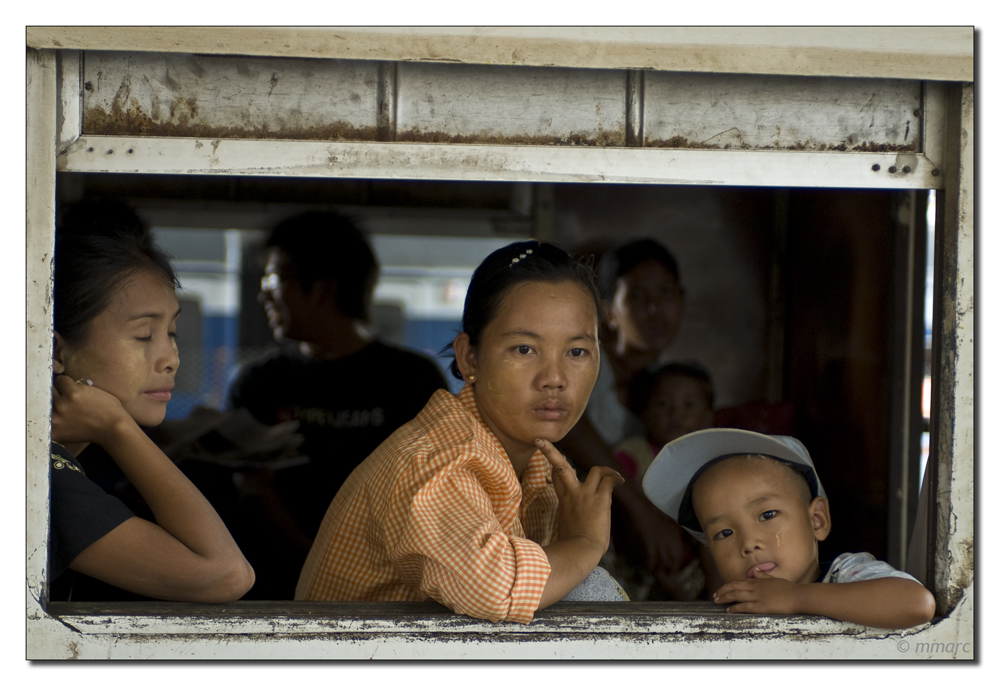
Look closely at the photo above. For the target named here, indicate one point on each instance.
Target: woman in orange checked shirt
(469, 504)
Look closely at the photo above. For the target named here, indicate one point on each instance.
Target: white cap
(669, 479)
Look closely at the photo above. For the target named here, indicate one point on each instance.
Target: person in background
(347, 390)
(114, 361)
(641, 289)
(671, 400)
(642, 294)
(470, 504)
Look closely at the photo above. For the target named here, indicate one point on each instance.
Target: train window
(799, 327)
(802, 212)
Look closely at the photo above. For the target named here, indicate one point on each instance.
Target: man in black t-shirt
(345, 408)
(347, 390)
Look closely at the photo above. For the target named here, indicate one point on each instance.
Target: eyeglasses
(270, 283)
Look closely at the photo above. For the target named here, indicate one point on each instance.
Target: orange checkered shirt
(437, 512)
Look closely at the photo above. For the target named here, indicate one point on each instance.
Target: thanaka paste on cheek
(780, 534)
(494, 392)
(81, 365)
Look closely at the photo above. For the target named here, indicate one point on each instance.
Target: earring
(472, 378)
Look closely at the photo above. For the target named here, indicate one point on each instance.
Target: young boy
(757, 503)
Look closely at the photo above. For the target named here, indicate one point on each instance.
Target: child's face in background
(677, 406)
(759, 520)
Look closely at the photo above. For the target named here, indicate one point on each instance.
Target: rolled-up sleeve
(454, 549)
(437, 512)
(532, 565)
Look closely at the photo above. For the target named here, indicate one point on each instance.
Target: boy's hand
(763, 594)
(584, 507)
(82, 413)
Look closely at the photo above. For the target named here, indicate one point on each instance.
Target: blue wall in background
(218, 358)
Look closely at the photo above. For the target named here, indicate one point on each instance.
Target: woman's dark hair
(641, 388)
(328, 245)
(99, 246)
(623, 259)
(511, 265)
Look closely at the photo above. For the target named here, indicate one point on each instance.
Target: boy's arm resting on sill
(886, 603)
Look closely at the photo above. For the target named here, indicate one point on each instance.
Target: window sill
(276, 630)
(261, 617)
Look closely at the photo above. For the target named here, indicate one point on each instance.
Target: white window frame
(939, 56)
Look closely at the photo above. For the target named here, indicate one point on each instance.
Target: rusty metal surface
(439, 103)
(131, 120)
(197, 96)
(604, 139)
(954, 404)
(729, 112)
(848, 146)
(149, 94)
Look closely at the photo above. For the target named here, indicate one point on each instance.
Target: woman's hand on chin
(82, 413)
(584, 506)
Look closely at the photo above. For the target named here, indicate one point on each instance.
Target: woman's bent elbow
(233, 584)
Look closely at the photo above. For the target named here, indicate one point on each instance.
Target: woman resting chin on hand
(115, 358)
(469, 504)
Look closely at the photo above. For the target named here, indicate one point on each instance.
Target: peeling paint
(132, 121)
(603, 139)
(867, 146)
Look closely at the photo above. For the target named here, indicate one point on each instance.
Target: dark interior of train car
(804, 305)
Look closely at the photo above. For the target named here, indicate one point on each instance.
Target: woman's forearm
(178, 506)
(570, 561)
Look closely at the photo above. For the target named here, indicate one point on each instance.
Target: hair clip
(521, 257)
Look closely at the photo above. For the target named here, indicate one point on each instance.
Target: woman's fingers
(599, 479)
(563, 474)
(558, 461)
(604, 478)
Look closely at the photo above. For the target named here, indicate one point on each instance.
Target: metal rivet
(130, 151)
(90, 150)
(111, 152)
(875, 167)
(906, 170)
(892, 170)
(935, 172)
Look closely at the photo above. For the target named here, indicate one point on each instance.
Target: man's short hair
(623, 259)
(329, 246)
